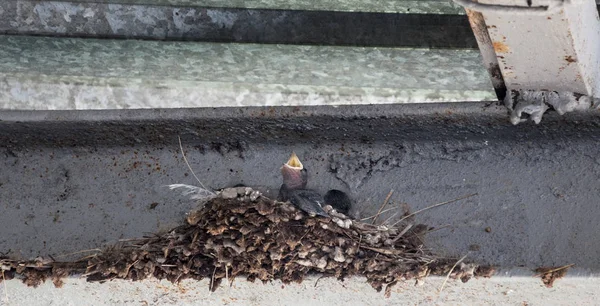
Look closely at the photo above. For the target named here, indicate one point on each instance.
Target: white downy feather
(194, 192)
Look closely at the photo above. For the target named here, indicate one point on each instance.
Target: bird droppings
(259, 239)
(229, 193)
(533, 104)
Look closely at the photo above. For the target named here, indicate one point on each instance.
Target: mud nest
(240, 233)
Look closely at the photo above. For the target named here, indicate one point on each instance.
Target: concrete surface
(73, 180)
(519, 290)
(41, 73)
(78, 180)
(28, 17)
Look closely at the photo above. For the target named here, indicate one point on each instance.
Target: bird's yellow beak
(294, 162)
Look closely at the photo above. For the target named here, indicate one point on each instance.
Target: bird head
(294, 174)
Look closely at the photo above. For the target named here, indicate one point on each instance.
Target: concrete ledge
(40, 73)
(517, 290)
(75, 180)
(273, 125)
(287, 125)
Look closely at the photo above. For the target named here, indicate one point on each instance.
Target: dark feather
(306, 200)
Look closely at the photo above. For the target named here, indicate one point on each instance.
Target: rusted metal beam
(487, 51)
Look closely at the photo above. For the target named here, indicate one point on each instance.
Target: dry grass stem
(5, 288)
(433, 206)
(188, 164)
(554, 270)
(387, 198)
(373, 216)
(78, 252)
(450, 272)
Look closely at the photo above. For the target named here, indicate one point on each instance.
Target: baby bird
(293, 189)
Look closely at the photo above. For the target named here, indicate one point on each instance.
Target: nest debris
(240, 233)
(551, 274)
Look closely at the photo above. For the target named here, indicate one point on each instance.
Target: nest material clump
(550, 274)
(241, 233)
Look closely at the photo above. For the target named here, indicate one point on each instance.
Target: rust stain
(478, 26)
(500, 47)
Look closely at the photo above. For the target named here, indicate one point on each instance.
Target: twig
(131, 265)
(188, 164)
(383, 205)
(433, 206)
(386, 210)
(408, 227)
(450, 272)
(5, 289)
(87, 257)
(554, 270)
(196, 233)
(388, 219)
(179, 275)
(78, 252)
(90, 273)
(307, 231)
(227, 272)
(359, 240)
(318, 279)
(383, 251)
(132, 239)
(212, 280)
(439, 228)
(232, 278)
(35, 266)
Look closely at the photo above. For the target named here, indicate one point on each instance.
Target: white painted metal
(545, 45)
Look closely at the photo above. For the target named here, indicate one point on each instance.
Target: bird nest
(245, 234)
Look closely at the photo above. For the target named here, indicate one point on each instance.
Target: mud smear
(252, 236)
